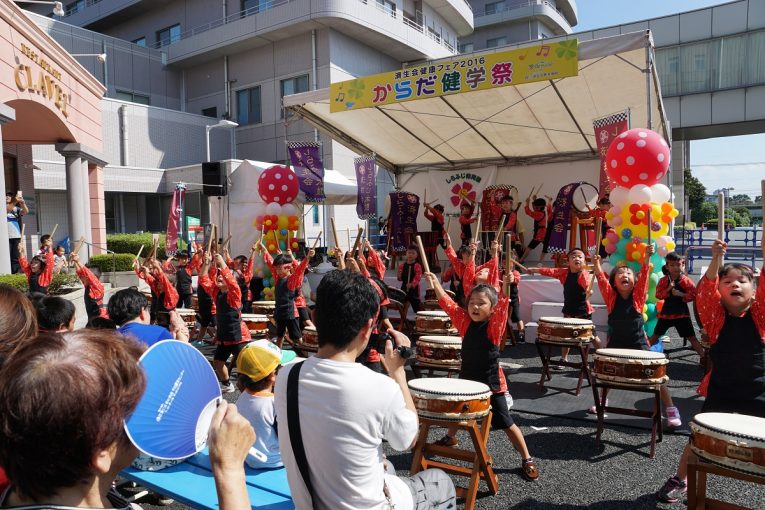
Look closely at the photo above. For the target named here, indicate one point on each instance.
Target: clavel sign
(44, 82)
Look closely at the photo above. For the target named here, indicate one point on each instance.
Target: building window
(131, 97)
(466, 47)
(250, 7)
(210, 112)
(294, 85)
(496, 41)
(315, 214)
(387, 6)
(73, 7)
(141, 41)
(436, 36)
(169, 35)
(495, 7)
(248, 106)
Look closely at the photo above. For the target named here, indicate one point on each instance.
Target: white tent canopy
(243, 201)
(513, 125)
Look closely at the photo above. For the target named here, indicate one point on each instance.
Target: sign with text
(458, 74)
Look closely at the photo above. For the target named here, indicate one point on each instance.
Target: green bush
(131, 243)
(60, 284)
(121, 261)
(712, 223)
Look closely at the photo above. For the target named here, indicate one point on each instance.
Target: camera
(403, 351)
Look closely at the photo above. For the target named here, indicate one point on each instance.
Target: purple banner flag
(560, 218)
(309, 169)
(403, 218)
(366, 184)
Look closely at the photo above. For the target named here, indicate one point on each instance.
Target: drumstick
(289, 247)
(79, 245)
(518, 264)
(501, 228)
(23, 227)
(53, 232)
(508, 260)
(598, 239)
(226, 243)
(139, 252)
(424, 260)
(649, 224)
(358, 240)
(316, 242)
(334, 232)
(348, 234)
(720, 216)
(477, 226)
(209, 239)
(448, 223)
(276, 240)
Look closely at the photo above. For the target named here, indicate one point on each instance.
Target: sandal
(529, 469)
(447, 440)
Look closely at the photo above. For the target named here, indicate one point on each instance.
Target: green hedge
(59, 284)
(712, 224)
(131, 243)
(121, 261)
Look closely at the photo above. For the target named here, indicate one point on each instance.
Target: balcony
(99, 14)
(531, 9)
(458, 13)
(370, 22)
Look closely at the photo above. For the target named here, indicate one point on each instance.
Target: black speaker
(214, 179)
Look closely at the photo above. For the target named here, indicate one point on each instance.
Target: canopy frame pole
(443, 98)
(647, 71)
(573, 118)
(433, 149)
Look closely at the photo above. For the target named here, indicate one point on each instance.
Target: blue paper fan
(173, 417)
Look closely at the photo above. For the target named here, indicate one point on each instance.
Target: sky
(733, 162)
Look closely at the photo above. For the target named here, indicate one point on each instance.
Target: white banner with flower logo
(452, 188)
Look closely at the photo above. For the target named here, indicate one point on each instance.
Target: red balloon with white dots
(278, 184)
(637, 156)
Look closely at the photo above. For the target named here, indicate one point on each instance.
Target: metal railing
(695, 236)
(733, 253)
(268, 5)
(74, 7)
(514, 6)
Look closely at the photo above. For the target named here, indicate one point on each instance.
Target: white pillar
(7, 114)
(86, 187)
(78, 199)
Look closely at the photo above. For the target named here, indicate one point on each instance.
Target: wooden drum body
(565, 331)
(631, 367)
(264, 308)
(441, 351)
(450, 399)
(310, 340)
(188, 315)
(194, 302)
(257, 324)
(736, 441)
(434, 322)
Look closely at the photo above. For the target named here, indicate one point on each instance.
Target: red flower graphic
(462, 192)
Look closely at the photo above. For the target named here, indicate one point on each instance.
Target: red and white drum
(631, 367)
(434, 322)
(195, 302)
(736, 441)
(450, 399)
(310, 340)
(188, 315)
(439, 351)
(257, 324)
(565, 331)
(264, 308)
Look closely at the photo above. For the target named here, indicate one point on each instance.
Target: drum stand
(479, 457)
(583, 365)
(602, 408)
(697, 484)
(421, 369)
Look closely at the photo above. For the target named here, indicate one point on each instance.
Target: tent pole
(648, 74)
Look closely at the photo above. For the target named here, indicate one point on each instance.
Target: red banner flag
(174, 219)
(606, 129)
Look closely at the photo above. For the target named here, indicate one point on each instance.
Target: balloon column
(637, 161)
(277, 218)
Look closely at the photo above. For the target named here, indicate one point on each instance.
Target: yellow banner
(458, 74)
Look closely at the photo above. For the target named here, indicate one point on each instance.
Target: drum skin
(631, 367)
(450, 399)
(735, 441)
(435, 322)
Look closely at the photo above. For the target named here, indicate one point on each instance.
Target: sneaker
(529, 469)
(163, 500)
(509, 399)
(673, 418)
(558, 366)
(672, 490)
(594, 409)
(665, 339)
(521, 337)
(227, 388)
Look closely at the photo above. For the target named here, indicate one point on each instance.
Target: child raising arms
(481, 327)
(734, 317)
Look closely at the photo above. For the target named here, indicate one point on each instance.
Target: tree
(741, 200)
(743, 216)
(758, 200)
(705, 212)
(694, 190)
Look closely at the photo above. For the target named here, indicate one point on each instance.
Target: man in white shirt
(346, 410)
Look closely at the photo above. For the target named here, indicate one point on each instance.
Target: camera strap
(296, 435)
